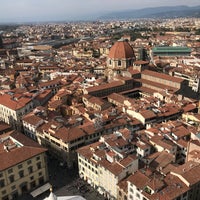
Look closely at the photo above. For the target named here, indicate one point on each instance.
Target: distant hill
(157, 12)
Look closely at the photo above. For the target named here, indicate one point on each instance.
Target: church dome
(121, 50)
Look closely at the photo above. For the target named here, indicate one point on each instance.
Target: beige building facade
(23, 165)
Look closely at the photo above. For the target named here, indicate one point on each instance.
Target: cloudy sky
(47, 10)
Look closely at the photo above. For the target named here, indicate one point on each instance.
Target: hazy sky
(43, 10)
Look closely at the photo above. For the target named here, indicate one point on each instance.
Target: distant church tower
(121, 56)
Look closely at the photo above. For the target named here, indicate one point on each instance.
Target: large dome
(121, 50)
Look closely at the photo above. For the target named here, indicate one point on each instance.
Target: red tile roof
(14, 103)
(162, 76)
(18, 154)
(138, 179)
(121, 49)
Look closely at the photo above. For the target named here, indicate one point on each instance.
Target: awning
(41, 190)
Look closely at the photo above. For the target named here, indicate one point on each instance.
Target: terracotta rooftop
(162, 76)
(121, 49)
(190, 172)
(173, 189)
(105, 86)
(59, 131)
(22, 148)
(138, 179)
(14, 103)
(32, 119)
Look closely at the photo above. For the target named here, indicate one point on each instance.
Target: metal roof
(171, 49)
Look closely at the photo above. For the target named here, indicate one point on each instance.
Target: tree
(1, 42)
(197, 32)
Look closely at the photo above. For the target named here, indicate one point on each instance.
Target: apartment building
(108, 159)
(95, 102)
(172, 136)
(53, 85)
(60, 141)
(13, 107)
(189, 174)
(189, 73)
(30, 123)
(23, 165)
(144, 187)
(193, 151)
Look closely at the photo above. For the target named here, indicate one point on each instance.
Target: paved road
(79, 187)
(66, 182)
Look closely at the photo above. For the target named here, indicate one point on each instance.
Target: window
(29, 162)
(130, 196)
(39, 166)
(1, 175)
(11, 178)
(3, 192)
(33, 184)
(10, 170)
(13, 187)
(119, 62)
(40, 173)
(5, 198)
(32, 177)
(120, 193)
(137, 195)
(21, 173)
(38, 158)
(131, 190)
(41, 180)
(20, 166)
(30, 169)
(2, 183)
